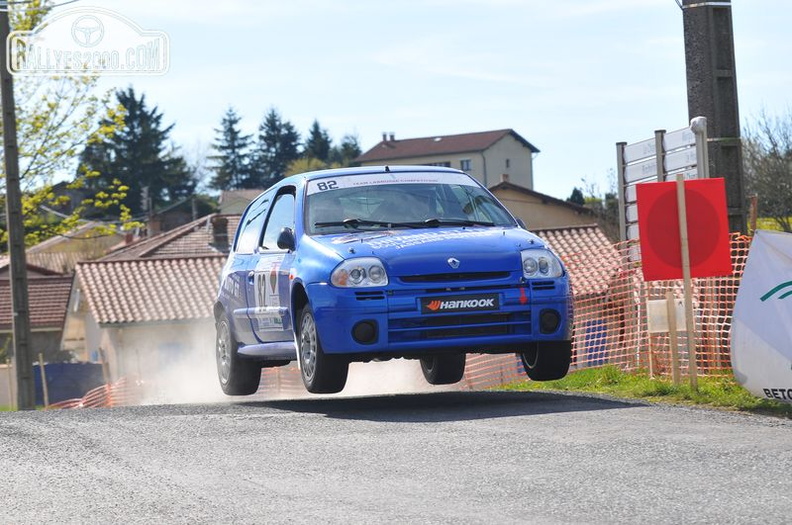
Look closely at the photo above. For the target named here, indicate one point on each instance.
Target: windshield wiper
(356, 223)
(433, 222)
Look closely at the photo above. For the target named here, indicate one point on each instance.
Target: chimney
(384, 137)
(392, 136)
(154, 226)
(220, 233)
(505, 177)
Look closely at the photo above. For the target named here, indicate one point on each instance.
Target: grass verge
(715, 392)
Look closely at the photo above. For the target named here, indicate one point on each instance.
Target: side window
(281, 216)
(250, 228)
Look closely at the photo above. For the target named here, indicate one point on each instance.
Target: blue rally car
(375, 263)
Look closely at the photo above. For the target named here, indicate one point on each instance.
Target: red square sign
(707, 227)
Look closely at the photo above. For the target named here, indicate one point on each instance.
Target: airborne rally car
(375, 263)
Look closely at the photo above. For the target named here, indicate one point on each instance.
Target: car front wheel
(443, 369)
(321, 373)
(547, 361)
(238, 377)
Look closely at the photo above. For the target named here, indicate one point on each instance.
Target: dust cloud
(396, 376)
(186, 373)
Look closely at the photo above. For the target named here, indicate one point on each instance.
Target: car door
(268, 281)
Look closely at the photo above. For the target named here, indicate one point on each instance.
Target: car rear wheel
(547, 361)
(238, 376)
(443, 369)
(321, 373)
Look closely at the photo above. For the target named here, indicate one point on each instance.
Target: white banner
(761, 334)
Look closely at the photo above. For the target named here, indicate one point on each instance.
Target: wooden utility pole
(23, 356)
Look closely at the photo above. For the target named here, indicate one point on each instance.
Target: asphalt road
(447, 457)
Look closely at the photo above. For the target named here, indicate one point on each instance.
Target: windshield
(337, 205)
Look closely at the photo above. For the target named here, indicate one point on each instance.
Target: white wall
(520, 169)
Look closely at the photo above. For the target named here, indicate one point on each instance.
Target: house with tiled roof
(539, 211)
(33, 270)
(90, 240)
(147, 307)
(235, 201)
(48, 296)
(485, 155)
(144, 314)
(584, 246)
(209, 235)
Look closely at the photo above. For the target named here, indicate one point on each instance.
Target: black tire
(321, 373)
(444, 369)
(547, 361)
(238, 376)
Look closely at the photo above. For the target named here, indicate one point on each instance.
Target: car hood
(427, 251)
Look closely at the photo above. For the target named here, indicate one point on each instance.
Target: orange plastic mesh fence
(611, 326)
(612, 320)
(120, 393)
(482, 371)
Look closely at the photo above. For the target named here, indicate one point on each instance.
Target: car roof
(366, 170)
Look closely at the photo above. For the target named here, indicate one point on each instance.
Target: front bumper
(389, 322)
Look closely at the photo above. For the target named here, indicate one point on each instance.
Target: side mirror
(286, 239)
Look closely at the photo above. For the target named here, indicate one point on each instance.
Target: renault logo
(453, 263)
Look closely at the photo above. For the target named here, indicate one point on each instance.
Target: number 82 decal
(329, 185)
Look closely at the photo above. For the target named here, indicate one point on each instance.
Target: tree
(305, 164)
(577, 197)
(318, 144)
(56, 116)
(277, 147)
(347, 152)
(767, 159)
(605, 206)
(141, 156)
(232, 163)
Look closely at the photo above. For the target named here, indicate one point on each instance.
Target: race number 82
(329, 185)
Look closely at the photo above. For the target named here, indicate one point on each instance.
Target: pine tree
(346, 153)
(277, 147)
(317, 145)
(577, 197)
(232, 163)
(139, 155)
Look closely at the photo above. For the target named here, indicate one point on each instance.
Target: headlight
(359, 273)
(540, 264)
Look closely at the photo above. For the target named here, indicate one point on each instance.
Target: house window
(508, 162)
(464, 165)
(440, 164)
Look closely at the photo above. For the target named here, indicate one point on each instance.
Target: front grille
(542, 285)
(370, 296)
(453, 277)
(458, 326)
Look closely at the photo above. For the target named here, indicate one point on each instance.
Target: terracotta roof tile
(438, 145)
(584, 247)
(227, 196)
(150, 290)
(34, 270)
(192, 239)
(48, 299)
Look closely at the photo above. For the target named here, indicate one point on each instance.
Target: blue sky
(573, 77)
